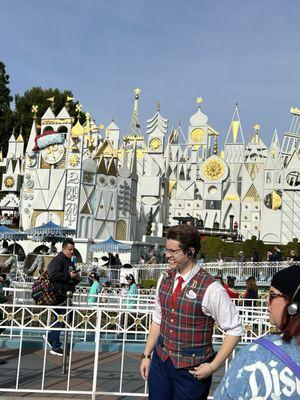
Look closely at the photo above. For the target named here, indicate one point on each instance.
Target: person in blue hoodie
(259, 372)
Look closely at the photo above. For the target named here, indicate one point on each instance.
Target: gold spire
(20, 138)
(78, 109)
(158, 105)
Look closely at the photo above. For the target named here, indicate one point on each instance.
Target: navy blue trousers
(166, 382)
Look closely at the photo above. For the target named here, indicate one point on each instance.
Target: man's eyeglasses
(172, 252)
(273, 296)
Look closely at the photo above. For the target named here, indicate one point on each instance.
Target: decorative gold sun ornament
(155, 143)
(213, 170)
(74, 160)
(137, 91)
(9, 182)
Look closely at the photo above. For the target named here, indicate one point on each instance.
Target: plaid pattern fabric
(185, 332)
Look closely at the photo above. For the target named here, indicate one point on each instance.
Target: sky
(225, 51)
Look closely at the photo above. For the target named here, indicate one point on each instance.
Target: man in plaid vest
(178, 360)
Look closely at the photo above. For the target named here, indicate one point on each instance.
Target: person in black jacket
(62, 272)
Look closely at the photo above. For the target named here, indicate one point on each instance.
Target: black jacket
(59, 272)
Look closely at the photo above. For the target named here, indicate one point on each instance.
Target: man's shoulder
(59, 258)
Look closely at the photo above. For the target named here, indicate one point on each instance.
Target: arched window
(48, 128)
(121, 230)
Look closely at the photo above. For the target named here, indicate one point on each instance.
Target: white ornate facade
(78, 177)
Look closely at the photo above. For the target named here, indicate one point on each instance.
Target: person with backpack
(64, 277)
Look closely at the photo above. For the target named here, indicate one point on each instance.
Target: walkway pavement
(80, 377)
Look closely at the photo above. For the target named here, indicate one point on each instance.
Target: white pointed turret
(135, 127)
(19, 146)
(11, 152)
(49, 114)
(234, 143)
(63, 114)
(235, 132)
(31, 142)
(256, 150)
(114, 134)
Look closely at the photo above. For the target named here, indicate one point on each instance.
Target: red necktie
(177, 290)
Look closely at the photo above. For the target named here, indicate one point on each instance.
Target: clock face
(197, 135)
(155, 143)
(53, 154)
(213, 169)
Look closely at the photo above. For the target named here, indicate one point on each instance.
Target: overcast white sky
(222, 50)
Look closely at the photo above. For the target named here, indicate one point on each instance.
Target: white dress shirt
(216, 303)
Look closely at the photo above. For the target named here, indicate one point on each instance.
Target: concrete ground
(80, 377)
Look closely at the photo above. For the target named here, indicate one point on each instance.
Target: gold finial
(137, 92)
(34, 110)
(67, 103)
(78, 109)
(256, 127)
(52, 102)
(88, 123)
(199, 100)
(158, 106)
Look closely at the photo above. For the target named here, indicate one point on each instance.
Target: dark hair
(251, 284)
(187, 236)
(67, 241)
(287, 281)
(3, 276)
(95, 276)
(130, 277)
(127, 266)
(231, 281)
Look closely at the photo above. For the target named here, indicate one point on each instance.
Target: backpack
(44, 291)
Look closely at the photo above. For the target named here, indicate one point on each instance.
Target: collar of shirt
(187, 277)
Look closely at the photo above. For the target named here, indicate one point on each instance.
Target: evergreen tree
(6, 114)
(38, 96)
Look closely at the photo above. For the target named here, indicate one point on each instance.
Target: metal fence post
(65, 355)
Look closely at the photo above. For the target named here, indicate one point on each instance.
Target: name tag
(191, 295)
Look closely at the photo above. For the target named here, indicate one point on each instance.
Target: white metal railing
(105, 329)
(262, 271)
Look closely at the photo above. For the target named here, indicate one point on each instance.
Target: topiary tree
(38, 96)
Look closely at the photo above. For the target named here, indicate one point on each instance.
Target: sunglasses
(273, 296)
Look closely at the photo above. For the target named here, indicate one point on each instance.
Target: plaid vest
(185, 332)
